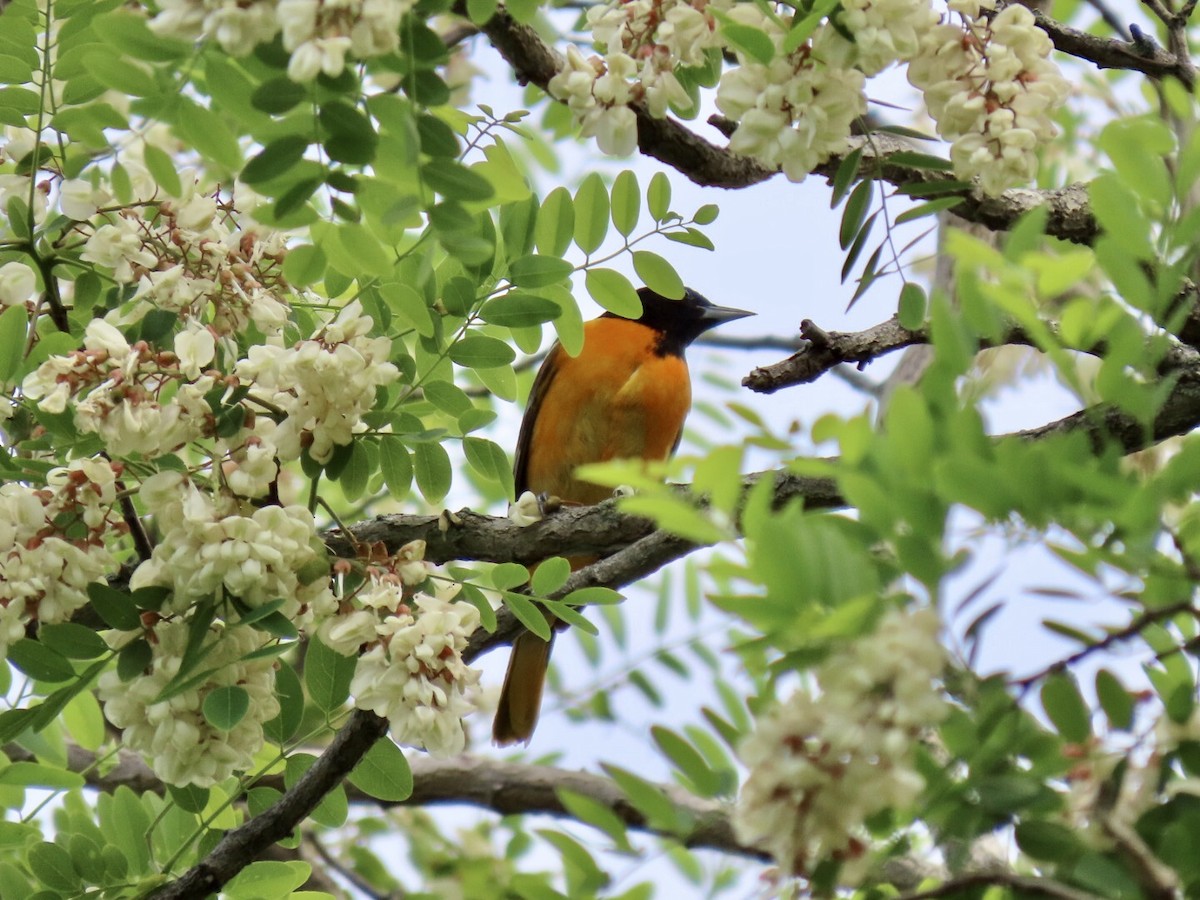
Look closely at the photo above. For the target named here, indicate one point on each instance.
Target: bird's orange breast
(618, 399)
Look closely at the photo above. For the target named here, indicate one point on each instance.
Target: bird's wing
(541, 385)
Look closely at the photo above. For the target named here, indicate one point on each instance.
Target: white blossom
(17, 283)
(325, 384)
(795, 112)
(179, 743)
(526, 510)
(992, 89)
(54, 542)
(822, 764)
(413, 674)
(210, 544)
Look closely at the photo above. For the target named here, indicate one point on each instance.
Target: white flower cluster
(796, 111)
(180, 744)
(643, 42)
(325, 384)
(221, 544)
(190, 258)
(821, 765)
(411, 670)
(118, 391)
(885, 31)
(992, 89)
(54, 542)
(319, 34)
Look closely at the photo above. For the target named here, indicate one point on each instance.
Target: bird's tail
(521, 696)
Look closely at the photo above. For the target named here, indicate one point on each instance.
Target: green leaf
(327, 675)
(593, 596)
(163, 169)
(1065, 707)
(911, 308)
(28, 774)
(130, 33)
(372, 256)
(591, 214)
(278, 95)
(658, 274)
(549, 576)
(930, 208)
(431, 465)
(706, 214)
(689, 761)
(1116, 702)
(527, 614)
(555, 224)
(844, 177)
(658, 196)
(274, 159)
(409, 306)
(626, 202)
(304, 265)
(207, 132)
(267, 880)
(479, 351)
(489, 460)
(72, 640)
(352, 138)
(855, 212)
(383, 773)
(649, 799)
(592, 812)
(52, 865)
(750, 41)
(14, 322)
(455, 181)
(397, 467)
(123, 75)
(225, 706)
(479, 11)
(518, 309)
(535, 271)
(921, 161)
(1049, 841)
(614, 292)
(40, 662)
(290, 693)
(134, 659)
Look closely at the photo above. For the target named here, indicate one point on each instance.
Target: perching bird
(624, 396)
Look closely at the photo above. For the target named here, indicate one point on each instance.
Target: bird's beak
(712, 316)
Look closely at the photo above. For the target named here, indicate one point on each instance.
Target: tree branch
(601, 530)
(1139, 55)
(824, 350)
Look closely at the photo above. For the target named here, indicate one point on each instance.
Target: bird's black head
(682, 321)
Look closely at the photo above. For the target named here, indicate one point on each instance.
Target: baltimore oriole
(624, 396)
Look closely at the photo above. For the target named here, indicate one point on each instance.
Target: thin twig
(1130, 631)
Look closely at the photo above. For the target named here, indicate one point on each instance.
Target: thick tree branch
(602, 530)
